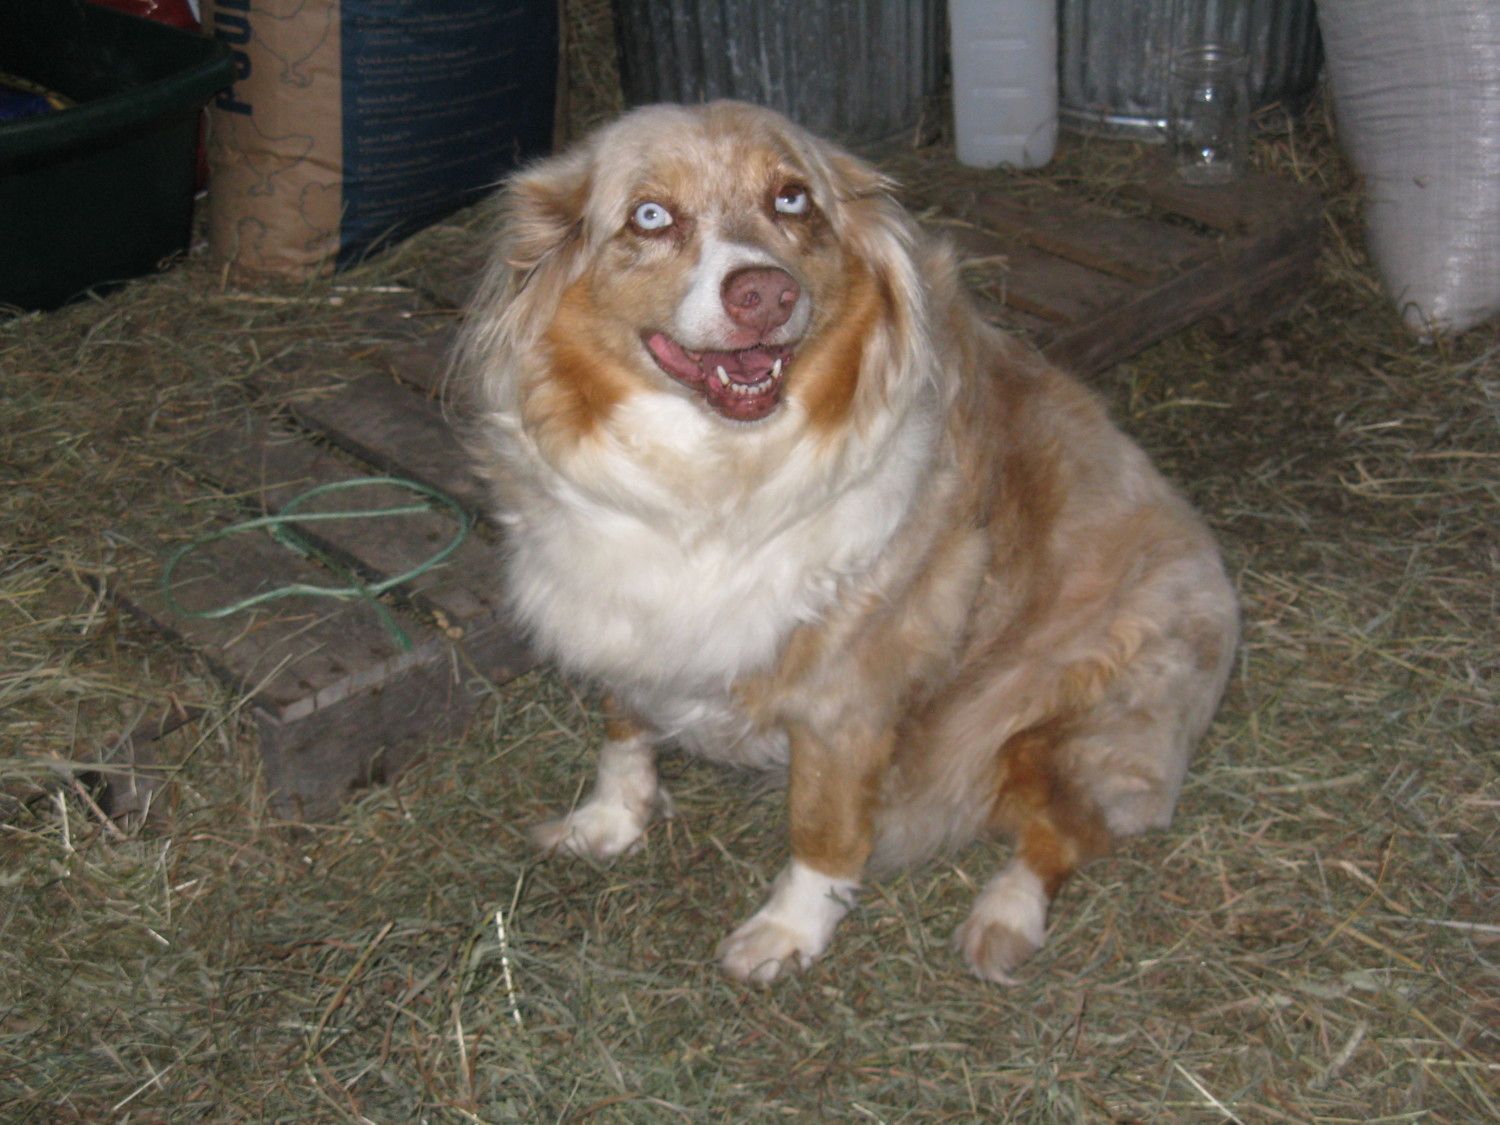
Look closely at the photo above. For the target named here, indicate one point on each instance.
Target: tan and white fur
(772, 484)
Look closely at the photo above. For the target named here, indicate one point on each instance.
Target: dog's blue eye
(651, 216)
(792, 201)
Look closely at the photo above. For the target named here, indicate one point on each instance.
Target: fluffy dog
(771, 482)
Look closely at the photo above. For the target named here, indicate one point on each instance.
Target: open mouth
(743, 386)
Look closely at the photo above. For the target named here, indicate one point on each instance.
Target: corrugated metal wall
(1113, 54)
(859, 70)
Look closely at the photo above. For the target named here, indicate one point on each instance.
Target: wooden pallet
(339, 698)
(338, 703)
(1091, 284)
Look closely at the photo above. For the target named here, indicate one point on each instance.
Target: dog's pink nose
(760, 298)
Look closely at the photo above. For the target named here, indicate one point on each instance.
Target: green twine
(279, 527)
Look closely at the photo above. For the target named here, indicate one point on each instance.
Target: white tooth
(776, 370)
(723, 375)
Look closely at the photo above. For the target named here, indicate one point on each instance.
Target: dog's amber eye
(792, 200)
(650, 217)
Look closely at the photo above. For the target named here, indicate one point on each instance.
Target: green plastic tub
(102, 191)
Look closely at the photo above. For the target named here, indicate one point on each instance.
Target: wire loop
(280, 526)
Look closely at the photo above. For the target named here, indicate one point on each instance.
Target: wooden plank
(1245, 270)
(1262, 240)
(1251, 206)
(1036, 330)
(423, 363)
(1132, 249)
(274, 468)
(1044, 286)
(296, 654)
(337, 702)
(311, 766)
(382, 422)
(1284, 288)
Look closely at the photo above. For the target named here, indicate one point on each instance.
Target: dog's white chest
(672, 608)
(617, 598)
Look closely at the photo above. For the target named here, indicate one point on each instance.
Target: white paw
(792, 929)
(594, 830)
(762, 950)
(1007, 925)
(614, 818)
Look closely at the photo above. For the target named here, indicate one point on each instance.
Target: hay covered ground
(1315, 939)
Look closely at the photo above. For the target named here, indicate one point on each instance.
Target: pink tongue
(742, 369)
(749, 366)
(670, 355)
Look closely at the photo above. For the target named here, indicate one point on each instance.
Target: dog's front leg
(833, 789)
(626, 793)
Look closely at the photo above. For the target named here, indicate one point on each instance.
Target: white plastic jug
(1004, 81)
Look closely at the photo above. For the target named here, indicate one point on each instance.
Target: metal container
(1113, 56)
(858, 70)
(103, 190)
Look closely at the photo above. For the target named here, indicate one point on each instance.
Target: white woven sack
(1416, 92)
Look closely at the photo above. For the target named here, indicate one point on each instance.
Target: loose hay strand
(510, 983)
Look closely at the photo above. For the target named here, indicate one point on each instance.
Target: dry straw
(1313, 940)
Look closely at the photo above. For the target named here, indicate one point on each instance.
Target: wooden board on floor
(341, 694)
(1093, 283)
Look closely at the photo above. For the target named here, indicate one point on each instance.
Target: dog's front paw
(596, 830)
(792, 929)
(763, 949)
(614, 818)
(1007, 925)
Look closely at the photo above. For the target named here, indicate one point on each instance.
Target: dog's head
(717, 253)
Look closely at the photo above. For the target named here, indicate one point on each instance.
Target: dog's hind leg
(1056, 828)
(1109, 760)
(613, 819)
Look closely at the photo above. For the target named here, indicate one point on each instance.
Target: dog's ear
(542, 210)
(539, 221)
(873, 225)
(854, 179)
